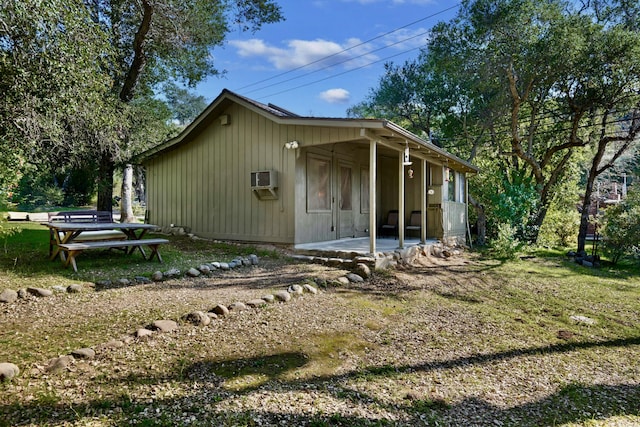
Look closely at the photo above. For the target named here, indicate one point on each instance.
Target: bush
(6, 231)
(621, 230)
(560, 227)
(505, 245)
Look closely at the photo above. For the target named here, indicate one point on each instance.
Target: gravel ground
(421, 346)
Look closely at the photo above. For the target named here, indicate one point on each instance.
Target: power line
(346, 50)
(339, 74)
(347, 60)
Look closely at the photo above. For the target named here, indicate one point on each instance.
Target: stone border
(197, 318)
(382, 260)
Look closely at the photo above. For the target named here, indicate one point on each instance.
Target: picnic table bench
(72, 250)
(83, 216)
(73, 232)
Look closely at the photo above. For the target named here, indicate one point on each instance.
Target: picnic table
(67, 248)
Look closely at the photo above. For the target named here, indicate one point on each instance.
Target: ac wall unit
(264, 179)
(264, 183)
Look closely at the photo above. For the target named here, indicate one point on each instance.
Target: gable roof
(383, 131)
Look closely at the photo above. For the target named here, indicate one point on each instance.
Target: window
(451, 184)
(318, 184)
(364, 190)
(345, 188)
(461, 188)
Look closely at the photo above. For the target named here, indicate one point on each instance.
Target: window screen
(318, 184)
(364, 190)
(345, 188)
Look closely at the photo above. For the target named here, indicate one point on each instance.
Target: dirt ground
(434, 344)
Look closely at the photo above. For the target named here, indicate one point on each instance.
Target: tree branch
(139, 55)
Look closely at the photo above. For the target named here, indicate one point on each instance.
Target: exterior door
(345, 200)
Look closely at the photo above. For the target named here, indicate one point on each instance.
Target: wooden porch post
(423, 203)
(401, 199)
(373, 166)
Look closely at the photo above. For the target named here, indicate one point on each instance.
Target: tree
(184, 105)
(52, 85)
(530, 81)
(163, 40)
(622, 227)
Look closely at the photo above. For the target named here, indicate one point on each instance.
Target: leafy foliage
(505, 245)
(621, 229)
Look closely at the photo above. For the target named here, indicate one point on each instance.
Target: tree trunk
(481, 222)
(105, 182)
(139, 184)
(126, 205)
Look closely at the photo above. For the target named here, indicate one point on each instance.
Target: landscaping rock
(237, 306)
(363, 270)
(103, 283)
(123, 282)
(143, 332)
(295, 290)
(22, 293)
(157, 276)
(583, 319)
(282, 296)
(255, 303)
(204, 269)
(342, 281)
(8, 296)
(58, 364)
(215, 265)
(220, 310)
(193, 272)
(308, 288)
(84, 353)
(320, 282)
(212, 315)
(142, 280)
(197, 318)
(74, 288)
(59, 289)
(8, 371)
(174, 272)
(269, 298)
(39, 292)
(254, 259)
(355, 278)
(165, 325)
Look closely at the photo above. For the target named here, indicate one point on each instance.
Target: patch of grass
(249, 374)
(26, 260)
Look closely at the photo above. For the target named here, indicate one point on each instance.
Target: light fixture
(291, 145)
(410, 172)
(406, 161)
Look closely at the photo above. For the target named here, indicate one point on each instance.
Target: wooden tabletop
(98, 226)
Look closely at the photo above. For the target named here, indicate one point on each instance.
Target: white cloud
(335, 96)
(319, 53)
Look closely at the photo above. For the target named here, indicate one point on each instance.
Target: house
(247, 171)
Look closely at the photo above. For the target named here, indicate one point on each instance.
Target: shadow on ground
(574, 403)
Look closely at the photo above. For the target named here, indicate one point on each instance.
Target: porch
(357, 249)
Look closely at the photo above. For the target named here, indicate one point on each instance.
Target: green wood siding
(205, 183)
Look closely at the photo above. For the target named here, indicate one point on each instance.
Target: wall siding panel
(205, 183)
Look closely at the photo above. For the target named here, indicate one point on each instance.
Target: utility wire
(347, 60)
(337, 75)
(348, 49)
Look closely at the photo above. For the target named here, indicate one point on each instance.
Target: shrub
(505, 245)
(560, 227)
(621, 231)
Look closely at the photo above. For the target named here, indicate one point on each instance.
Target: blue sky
(326, 55)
